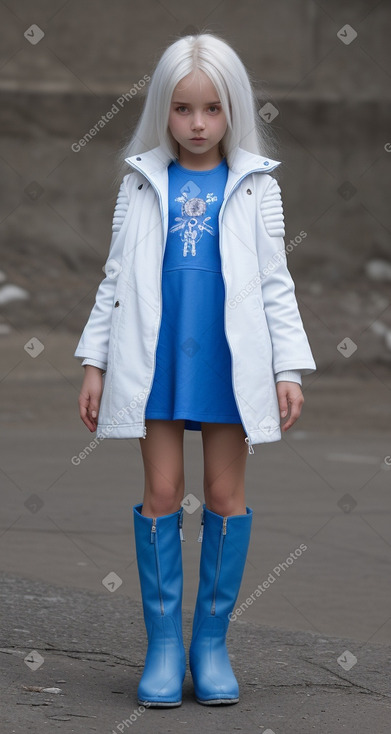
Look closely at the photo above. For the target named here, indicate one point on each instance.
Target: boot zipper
(153, 529)
(201, 533)
(159, 581)
(218, 564)
(180, 523)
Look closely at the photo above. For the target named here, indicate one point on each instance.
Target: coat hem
(265, 435)
(136, 430)
(125, 430)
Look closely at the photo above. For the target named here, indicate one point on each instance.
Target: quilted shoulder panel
(121, 208)
(272, 210)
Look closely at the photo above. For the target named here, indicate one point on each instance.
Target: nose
(198, 122)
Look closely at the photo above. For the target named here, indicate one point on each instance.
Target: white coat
(263, 325)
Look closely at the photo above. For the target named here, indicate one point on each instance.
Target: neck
(200, 162)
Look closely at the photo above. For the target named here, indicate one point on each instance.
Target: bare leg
(162, 452)
(225, 455)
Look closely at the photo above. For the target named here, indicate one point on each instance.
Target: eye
(181, 107)
(213, 106)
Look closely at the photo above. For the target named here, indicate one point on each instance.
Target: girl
(195, 326)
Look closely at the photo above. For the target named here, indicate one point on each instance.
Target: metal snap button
(265, 163)
(138, 159)
(249, 191)
(141, 186)
(116, 304)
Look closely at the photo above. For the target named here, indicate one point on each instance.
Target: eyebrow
(188, 103)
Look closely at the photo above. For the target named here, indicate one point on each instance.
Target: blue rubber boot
(159, 560)
(225, 542)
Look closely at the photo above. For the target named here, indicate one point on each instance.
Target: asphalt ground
(90, 648)
(312, 653)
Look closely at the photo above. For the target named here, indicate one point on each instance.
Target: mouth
(198, 138)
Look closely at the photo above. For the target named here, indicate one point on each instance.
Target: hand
(290, 400)
(90, 395)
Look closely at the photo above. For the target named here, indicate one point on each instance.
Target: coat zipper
(218, 564)
(201, 533)
(247, 439)
(161, 297)
(159, 580)
(180, 524)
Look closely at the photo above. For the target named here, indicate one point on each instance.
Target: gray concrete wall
(332, 129)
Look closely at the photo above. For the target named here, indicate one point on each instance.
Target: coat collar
(153, 164)
(154, 160)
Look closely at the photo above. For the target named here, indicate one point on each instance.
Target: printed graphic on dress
(193, 222)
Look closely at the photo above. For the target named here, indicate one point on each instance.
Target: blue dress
(193, 377)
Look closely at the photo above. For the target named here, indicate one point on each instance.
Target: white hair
(215, 57)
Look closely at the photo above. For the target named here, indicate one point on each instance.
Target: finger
(94, 408)
(294, 415)
(89, 424)
(88, 420)
(83, 413)
(283, 404)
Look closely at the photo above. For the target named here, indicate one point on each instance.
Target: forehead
(196, 85)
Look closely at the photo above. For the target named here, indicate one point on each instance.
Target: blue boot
(159, 560)
(225, 542)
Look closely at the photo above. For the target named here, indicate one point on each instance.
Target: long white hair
(214, 56)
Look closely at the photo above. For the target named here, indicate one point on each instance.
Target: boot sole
(217, 701)
(159, 704)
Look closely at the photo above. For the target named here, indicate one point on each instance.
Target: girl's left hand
(290, 400)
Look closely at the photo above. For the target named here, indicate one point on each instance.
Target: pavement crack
(359, 686)
(305, 684)
(95, 656)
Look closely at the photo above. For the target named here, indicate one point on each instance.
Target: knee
(163, 498)
(225, 500)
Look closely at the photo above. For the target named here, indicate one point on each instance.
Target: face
(196, 112)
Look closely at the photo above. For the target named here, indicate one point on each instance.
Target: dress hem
(207, 419)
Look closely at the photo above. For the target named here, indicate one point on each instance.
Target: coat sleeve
(94, 341)
(291, 349)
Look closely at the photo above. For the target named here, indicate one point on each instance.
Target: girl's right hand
(90, 395)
